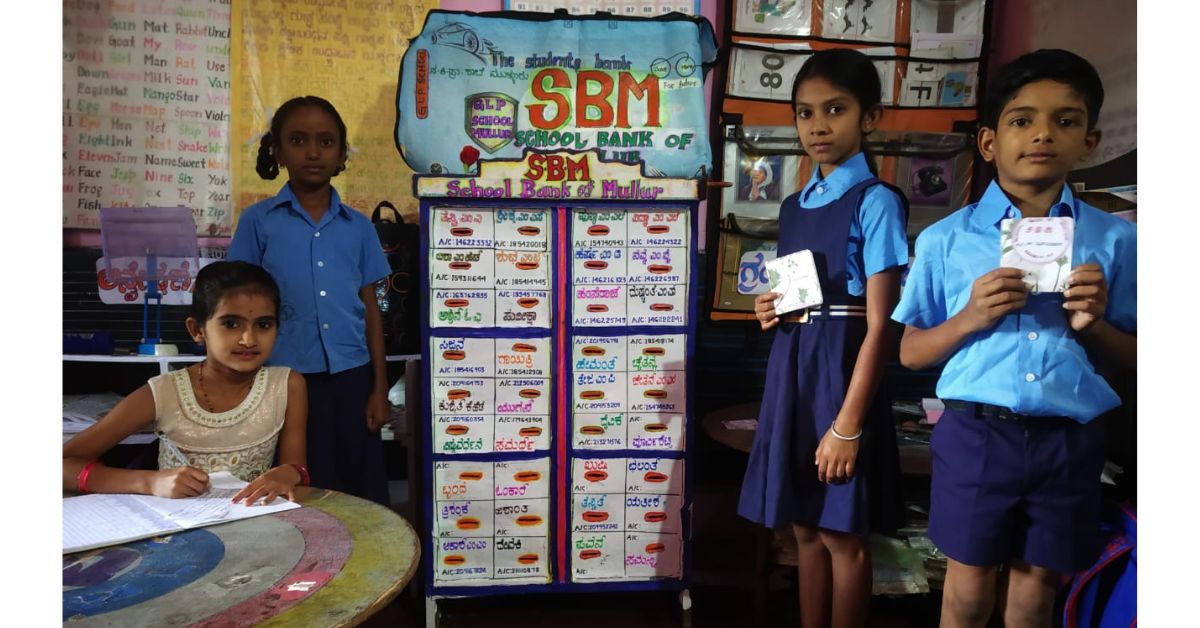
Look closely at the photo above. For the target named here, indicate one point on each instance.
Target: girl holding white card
(824, 460)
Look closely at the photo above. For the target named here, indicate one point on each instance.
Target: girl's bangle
(840, 437)
(81, 480)
(304, 479)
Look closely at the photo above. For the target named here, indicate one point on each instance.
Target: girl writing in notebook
(824, 462)
(227, 413)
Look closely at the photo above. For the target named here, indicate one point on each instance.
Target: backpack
(1105, 595)
(398, 296)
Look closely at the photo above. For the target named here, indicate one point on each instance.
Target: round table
(334, 562)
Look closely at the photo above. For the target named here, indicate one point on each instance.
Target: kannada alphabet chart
(557, 355)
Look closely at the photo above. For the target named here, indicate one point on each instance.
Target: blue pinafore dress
(808, 371)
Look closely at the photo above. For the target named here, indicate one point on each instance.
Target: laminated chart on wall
(495, 85)
(145, 110)
(558, 331)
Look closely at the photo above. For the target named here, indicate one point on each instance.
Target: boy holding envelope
(1017, 455)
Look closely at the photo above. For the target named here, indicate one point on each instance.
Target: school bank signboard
(494, 86)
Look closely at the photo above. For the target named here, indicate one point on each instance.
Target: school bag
(399, 295)
(1105, 595)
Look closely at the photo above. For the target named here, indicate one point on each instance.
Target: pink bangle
(81, 481)
(304, 479)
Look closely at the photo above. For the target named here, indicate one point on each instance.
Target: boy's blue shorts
(1009, 486)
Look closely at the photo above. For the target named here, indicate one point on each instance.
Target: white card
(758, 73)
(777, 18)
(1041, 247)
(794, 277)
(918, 93)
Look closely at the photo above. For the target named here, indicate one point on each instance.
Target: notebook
(100, 520)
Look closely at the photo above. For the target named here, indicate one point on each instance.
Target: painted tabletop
(333, 563)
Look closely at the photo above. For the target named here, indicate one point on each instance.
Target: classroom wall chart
(558, 343)
(495, 85)
(146, 109)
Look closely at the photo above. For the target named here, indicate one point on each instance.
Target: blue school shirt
(1030, 361)
(320, 269)
(878, 236)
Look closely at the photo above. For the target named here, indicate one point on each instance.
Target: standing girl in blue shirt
(326, 258)
(824, 459)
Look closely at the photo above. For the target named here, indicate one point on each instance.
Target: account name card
(1041, 247)
(795, 278)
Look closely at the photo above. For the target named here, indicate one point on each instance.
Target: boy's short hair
(1061, 66)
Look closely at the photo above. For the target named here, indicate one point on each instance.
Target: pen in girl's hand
(163, 441)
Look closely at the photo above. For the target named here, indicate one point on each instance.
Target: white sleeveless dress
(241, 440)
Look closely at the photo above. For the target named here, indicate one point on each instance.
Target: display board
(559, 335)
(494, 85)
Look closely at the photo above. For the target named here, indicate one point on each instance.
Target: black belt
(989, 411)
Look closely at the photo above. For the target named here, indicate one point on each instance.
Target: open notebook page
(98, 520)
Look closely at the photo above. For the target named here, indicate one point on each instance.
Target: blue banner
(492, 86)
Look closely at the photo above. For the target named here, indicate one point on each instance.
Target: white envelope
(1041, 247)
(794, 277)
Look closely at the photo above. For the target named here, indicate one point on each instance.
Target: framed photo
(757, 179)
(929, 182)
(760, 181)
(935, 187)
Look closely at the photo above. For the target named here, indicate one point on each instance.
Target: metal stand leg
(762, 573)
(685, 605)
(431, 613)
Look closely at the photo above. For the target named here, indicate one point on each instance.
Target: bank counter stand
(559, 335)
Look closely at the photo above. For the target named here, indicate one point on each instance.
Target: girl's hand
(178, 482)
(1086, 297)
(764, 310)
(993, 296)
(378, 411)
(835, 459)
(273, 483)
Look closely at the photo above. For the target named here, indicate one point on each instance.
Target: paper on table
(98, 520)
(740, 424)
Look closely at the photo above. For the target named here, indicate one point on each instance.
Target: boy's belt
(989, 411)
(825, 311)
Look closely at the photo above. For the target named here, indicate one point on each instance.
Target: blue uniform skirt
(343, 454)
(807, 374)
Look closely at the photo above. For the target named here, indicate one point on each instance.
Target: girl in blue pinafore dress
(824, 459)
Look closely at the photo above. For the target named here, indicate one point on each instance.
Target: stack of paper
(82, 411)
(99, 520)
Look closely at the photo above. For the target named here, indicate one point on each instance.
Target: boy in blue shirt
(1017, 456)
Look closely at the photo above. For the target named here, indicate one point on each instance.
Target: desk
(333, 563)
